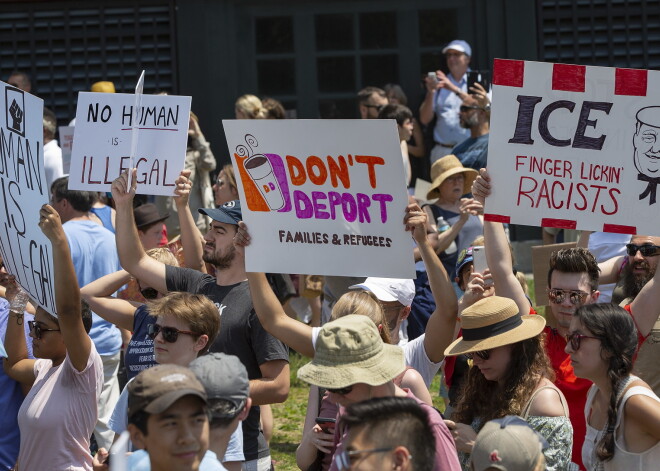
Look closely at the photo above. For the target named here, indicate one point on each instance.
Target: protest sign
(66, 143)
(25, 250)
(102, 141)
(575, 147)
(322, 196)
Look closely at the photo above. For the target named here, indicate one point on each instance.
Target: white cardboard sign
(576, 147)
(103, 136)
(322, 196)
(26, 251)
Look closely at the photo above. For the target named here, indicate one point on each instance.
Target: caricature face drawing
(646, 142)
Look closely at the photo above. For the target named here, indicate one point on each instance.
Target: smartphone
(433, 76)
(325, 423)
(479, 260)
(480, 76)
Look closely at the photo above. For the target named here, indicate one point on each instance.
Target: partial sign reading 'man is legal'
(25, 250)
(102, 141)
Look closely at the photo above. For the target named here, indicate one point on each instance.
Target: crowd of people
(160, 332)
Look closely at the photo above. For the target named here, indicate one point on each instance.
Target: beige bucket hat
(350, 351)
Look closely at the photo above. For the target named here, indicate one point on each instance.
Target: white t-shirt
(52, 162)
(414, 353)
(58, 415)
(119, 422)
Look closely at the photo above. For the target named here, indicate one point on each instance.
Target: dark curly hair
(618, 338)
(575, 260)
(487, 400)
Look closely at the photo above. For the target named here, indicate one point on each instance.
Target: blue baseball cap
(229, 213)
(463, 259)
(458, 45)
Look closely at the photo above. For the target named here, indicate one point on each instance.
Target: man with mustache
(633, 272)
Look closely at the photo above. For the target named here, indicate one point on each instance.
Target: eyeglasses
(377, 107)
(647, 250)
(170, 334)
(576, 297)
(465, 109)
(483, 354)
(36, 330)
(575, 339)
(341, 391)
(345, 458)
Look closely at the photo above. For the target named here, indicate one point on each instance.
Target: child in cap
(167, 416)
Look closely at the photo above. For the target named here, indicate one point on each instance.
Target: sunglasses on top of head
(170, 334)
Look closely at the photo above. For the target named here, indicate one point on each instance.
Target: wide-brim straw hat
(494, 322)
(350, 351)
(446, 167)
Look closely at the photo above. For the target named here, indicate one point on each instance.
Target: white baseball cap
(389, 289)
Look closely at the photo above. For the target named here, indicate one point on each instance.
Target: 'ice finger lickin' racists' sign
(105, 125)
(575, 147)
(26, 251)
(322, 196)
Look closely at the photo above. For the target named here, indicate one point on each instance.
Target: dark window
(379, 70)
(334, 32)
(437, 27)
(378, 30)
(338, 108)
(276, 77)
(336, 74)
(274, 35)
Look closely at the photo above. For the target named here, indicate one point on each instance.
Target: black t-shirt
(241, 334)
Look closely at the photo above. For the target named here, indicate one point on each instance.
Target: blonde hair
(196, 310)
(251, 107)
(362, 303)
(163, 255)
(231, 178)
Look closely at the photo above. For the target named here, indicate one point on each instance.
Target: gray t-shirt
(241, 334)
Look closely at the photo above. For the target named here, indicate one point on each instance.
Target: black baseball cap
(229, 213)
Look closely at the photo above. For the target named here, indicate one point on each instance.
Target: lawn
(289, 417)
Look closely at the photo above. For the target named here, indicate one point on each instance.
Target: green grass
(289, 417)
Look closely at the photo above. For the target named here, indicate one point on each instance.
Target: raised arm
(426, 108)
(98, 295)
(291, 332)
(132, 256)
(67, 294)
(440, 326)
(498, 254)
(17, 365)
(609, 269)
(191, 239)
(645, 309)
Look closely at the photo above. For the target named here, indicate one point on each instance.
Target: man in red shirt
(572, 282)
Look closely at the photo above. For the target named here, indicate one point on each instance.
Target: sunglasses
(647, 250)
(576, 297)
(575, 339)
(483, 354)
(465, 109)
(341, 391)
(344, 459)
(170, 334)
(36, 330)
(377, 107)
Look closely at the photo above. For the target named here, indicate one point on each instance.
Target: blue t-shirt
(11, 397)
(105, 215)
(473, 152)
(94, 255)
(140, 352)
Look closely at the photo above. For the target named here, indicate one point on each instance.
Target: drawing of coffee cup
(261, 172)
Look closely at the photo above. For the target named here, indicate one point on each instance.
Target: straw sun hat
(446, 167)
(493, 322)
(350, 351)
